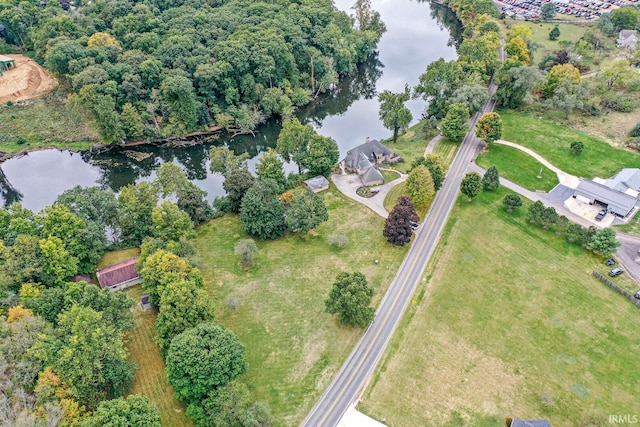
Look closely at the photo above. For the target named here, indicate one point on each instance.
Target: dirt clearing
(27, 80)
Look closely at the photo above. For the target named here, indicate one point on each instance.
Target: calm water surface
(415, 37)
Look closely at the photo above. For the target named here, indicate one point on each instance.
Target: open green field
(552, 142)
(42, 122)
(410, 145)
(568, 33)
(510, 323)
(277, 307)
(150, 379)
(519, 167)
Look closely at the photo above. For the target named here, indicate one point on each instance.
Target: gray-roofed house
(617, 202)
(119, 276)
(317, 184)
(627, 39)
(530, 423)
(364, 159)
(626, 181)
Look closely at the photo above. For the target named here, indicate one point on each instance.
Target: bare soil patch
(26, 81)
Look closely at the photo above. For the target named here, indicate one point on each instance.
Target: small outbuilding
(627, 39)
(317, 184)
(145, 302)
(119, 276)
(6, 62)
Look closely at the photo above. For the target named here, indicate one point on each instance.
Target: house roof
(371, 175)
(530, 423)
(316, 182)
(117, 273)
(368, 149)
(626, 179)
(624, 34)
(606, 195)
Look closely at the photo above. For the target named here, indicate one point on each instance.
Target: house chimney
(368, 139)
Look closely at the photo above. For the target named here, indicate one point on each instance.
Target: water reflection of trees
(360, 85)
(119, 168)
(446, 19)
(8, 193)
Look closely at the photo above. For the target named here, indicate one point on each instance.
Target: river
(415, 36)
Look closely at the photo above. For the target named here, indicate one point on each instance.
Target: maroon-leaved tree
(397, 227)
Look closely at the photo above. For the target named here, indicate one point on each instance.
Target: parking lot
(582, 9)
(589, 212)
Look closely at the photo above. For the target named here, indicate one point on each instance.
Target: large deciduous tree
(438, 83)
(89, 356)
(225, 161)
(394, 114)
(471, 185)
(603, 242)
(322, 155)
(306, 212)
(516, 84)
(262, 212)
(57, 263)
(398, 225)
(135, 410)
(161, 268)
(136, 202)
(489, 127)
(436, 167)
(293, 141)
(351, 297)
(271, 167)
(474, 96)
(202, 359)
(548, 11)
(236, 184)
(454, 125)
(171, 223)
(419, 186)
(231, 406)
(183, 305)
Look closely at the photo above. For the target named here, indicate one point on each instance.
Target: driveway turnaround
(348, 184)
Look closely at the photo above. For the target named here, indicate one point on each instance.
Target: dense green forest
(154, 68)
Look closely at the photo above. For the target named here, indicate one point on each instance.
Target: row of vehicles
(584, 9)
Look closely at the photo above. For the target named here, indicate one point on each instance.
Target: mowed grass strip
(553, 142)
(277, 309)
(43, 122)
(150, 379)
(510, 323)
(519, 167)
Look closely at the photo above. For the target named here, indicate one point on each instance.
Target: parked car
(414, 225)
(611, 261)
(601, 215)
(616, 272)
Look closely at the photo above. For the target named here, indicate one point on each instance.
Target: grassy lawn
(510, 323)
(518, 167)
(277, 307)
(392, 198)
(568, 33)
(446, 149)
(115, 257)
(389, 175)
(410, 145)
(150, 379)
(552, 142)
(43, 122)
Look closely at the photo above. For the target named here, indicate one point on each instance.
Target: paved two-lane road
(348, 383)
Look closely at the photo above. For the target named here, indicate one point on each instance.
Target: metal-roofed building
(626, 181)
(317, 184)
(617, 202)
